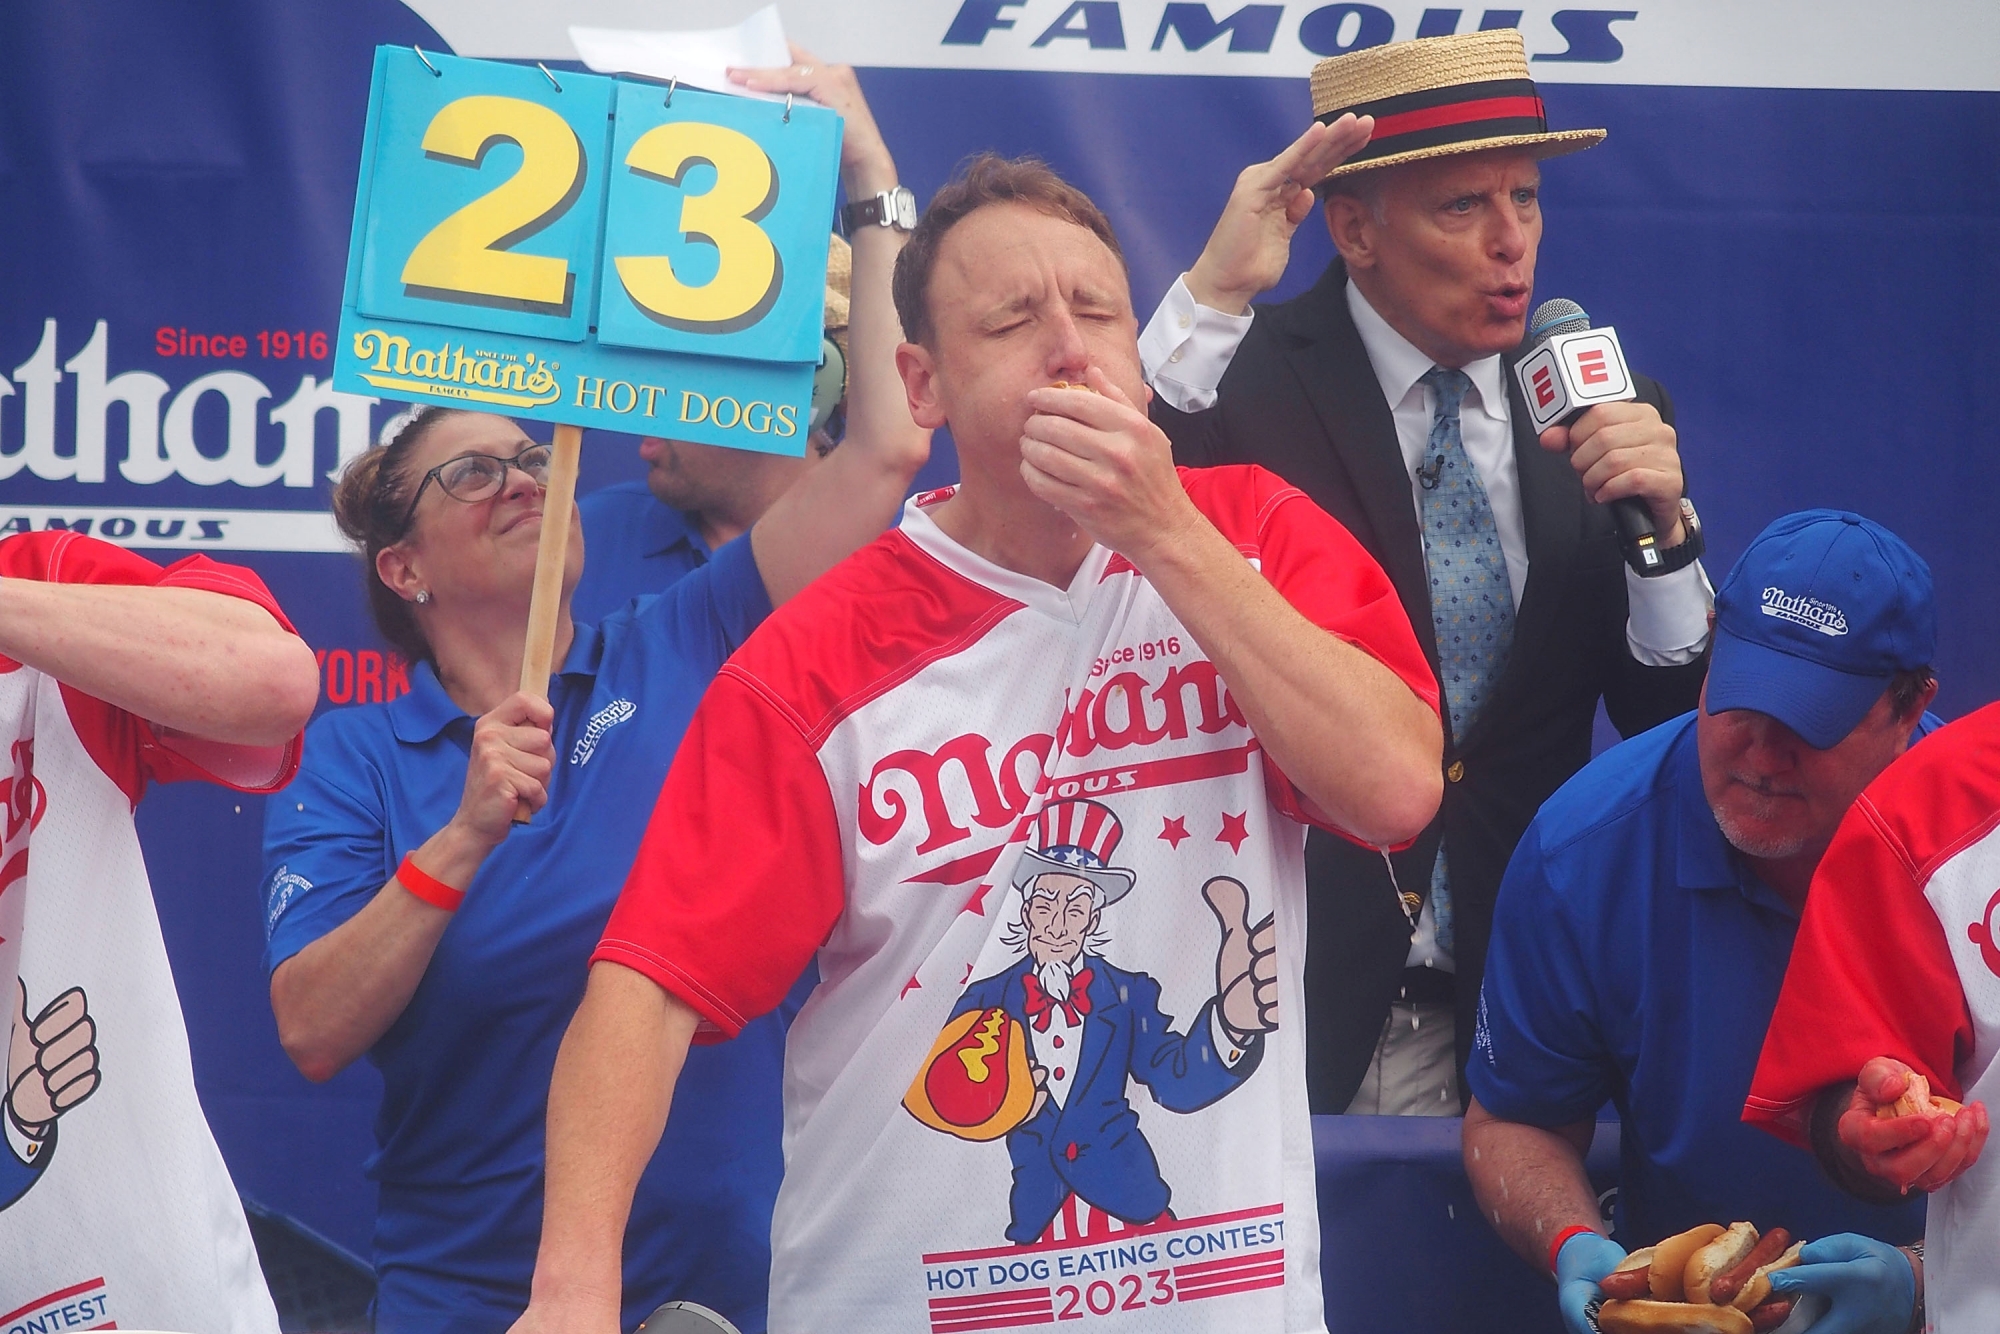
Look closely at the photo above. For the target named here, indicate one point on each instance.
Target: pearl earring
(423, 596)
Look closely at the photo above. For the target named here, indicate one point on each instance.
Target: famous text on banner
(716, 224)
(478, 264)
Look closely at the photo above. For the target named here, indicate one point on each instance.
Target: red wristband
(428, 887)
(1555, 1247)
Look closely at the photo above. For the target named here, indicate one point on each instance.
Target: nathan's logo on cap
(1805, 610)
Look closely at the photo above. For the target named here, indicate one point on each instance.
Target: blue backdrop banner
(1795, 225)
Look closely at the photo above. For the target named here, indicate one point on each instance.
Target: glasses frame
(436, 475)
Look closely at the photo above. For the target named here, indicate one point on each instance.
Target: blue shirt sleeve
(1538, 1056)
(708, 614)
(326, 843)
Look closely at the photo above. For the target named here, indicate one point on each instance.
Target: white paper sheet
(699, 58)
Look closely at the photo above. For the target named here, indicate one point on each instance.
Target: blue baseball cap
(1820, 613)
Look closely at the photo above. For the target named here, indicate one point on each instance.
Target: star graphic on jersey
(1173, 829)
(967, 976)
(977, 903)
(1233, 833)
(909, 986)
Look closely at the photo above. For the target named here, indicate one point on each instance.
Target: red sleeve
(1871, 974)
(1321, 569)
(130, 750)
(738, 879)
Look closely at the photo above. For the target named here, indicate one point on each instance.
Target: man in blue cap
(1646, 919)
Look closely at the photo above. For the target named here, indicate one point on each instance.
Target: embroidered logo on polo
(1805, 609)
(606, 718)
(285, 886)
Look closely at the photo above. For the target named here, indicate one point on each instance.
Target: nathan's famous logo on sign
(519, 379)
(510, 379)
(68, 415)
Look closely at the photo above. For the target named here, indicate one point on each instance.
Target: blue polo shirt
(1637, 958)
(466, 1067)
(633, 544)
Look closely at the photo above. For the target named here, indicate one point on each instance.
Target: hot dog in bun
(1708, 1280)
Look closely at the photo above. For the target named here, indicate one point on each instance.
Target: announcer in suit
(1386, 393)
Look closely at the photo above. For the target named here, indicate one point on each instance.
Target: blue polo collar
(426, 711)
(666, 528)
(1704, 860)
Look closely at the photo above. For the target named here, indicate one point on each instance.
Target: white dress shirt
(1187, 346)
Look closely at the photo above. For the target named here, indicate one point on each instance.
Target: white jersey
(115, 1207)
(1033, 841)
(1898, 954)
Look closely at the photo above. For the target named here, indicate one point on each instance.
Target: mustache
(1763, 787)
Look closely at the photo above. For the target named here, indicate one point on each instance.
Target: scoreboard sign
(591, 251)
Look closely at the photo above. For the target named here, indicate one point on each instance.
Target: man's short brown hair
(985, 179)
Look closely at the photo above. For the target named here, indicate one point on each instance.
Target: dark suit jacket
(1301, 399)
(1092, 1144)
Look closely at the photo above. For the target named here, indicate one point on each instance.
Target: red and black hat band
(1460, 113)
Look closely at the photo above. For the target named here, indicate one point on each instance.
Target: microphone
(1569, 368)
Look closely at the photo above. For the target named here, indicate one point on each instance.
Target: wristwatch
(1690, 548)
(895, 208)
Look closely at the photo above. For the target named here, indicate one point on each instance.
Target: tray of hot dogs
(1708, 1280)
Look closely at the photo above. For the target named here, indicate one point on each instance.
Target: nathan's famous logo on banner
(105, 436)
(589, 251)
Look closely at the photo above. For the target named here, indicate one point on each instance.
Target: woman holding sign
(410, 918)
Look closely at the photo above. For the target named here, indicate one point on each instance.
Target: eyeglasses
(476, 477)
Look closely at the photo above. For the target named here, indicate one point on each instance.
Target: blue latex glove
(1582, 1261)
(1870, 1283)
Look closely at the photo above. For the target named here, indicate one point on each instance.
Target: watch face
(902, 209)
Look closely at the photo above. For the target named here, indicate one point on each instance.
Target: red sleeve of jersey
(128, 749)
(1871, 975)
(738, 879)
(1331, 579)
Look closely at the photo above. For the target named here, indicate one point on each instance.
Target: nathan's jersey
(1009, 1103)
(1898, 954)
(115, 1207)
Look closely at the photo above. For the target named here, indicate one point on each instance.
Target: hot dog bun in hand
(1670, 1261)
(1655, 1317)
(1715, 1258)
(1917, 1100)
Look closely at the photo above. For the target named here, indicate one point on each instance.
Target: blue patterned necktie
(1472, 604)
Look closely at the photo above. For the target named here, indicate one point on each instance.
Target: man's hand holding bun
(1896, 1132)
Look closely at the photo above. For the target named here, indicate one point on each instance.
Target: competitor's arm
(850, 496)
(186, 659)
(614, 1081)
(1314, 701)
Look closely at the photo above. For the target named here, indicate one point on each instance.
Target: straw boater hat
(839, 278)
(1438, 96)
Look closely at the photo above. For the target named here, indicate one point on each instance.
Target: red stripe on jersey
(916, 611)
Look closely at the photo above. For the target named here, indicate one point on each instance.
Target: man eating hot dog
(1645, 923)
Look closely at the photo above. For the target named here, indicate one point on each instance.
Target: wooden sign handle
(558, 505)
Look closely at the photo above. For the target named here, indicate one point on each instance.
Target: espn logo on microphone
(1571, 372)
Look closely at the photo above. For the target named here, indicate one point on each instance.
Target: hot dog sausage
(1768, 1248)
(1770, 1315)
